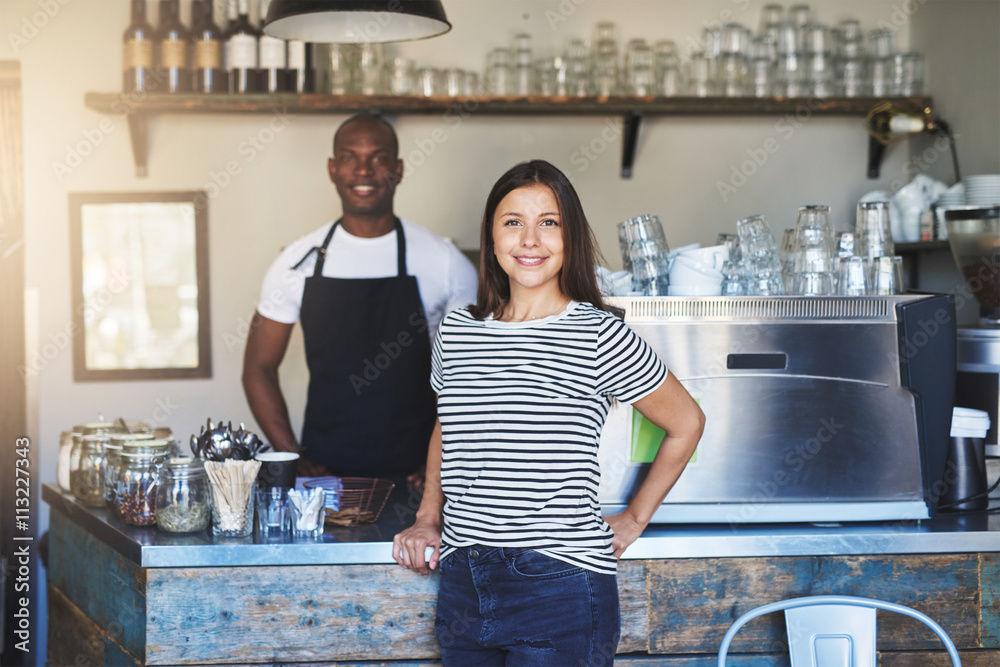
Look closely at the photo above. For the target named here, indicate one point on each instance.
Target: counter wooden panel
(108, 611)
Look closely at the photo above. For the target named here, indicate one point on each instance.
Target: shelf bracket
(630, 137)
(138, 124)
(876, 151)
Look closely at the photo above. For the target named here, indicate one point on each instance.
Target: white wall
(283, 191)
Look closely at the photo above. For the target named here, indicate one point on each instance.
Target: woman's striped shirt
(521, 406)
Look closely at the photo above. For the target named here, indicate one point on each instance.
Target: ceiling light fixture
(355, 21)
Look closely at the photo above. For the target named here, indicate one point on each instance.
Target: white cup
(713, 256)
(690, 272)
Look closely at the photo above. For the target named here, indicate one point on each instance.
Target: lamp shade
(355, 21)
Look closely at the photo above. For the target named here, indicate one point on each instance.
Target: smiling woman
(525, 379)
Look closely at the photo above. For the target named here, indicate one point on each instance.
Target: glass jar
(87, 481)
(138, 474)
(183, 496)
(114, 450)
(80, 430)
(62, 463)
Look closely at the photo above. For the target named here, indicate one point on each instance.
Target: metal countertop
(153, 548)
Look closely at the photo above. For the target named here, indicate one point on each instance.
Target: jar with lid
(183, 496)
(62, 462)
(138, 474)
(87, 481)
(114, 450)
(80, 430)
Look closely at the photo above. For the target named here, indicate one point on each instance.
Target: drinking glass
(800, 15)
(733, 280)
(701, 81)
(873, 237)
(881, 43)
(854, 77)
(308, 507)
(401, 79)
(881, 76)
(428, 82)
(813, 283)
(639, 72)
(273, 512)
(577, 68)
(771, 14)
(523, 73)
(498, 72)
(845, 244)
(852, 277)
(908, 74)
(787, 40)
(887, 275)
(735, 38)
(732, 71)
(454, 82)
(371, 70)
(765, 284)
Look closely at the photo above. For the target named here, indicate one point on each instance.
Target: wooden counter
(109, 606)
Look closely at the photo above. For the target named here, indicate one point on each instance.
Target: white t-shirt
(446, 279)
(521, 406)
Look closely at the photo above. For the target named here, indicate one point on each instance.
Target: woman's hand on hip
(627, 530)
(410, 546)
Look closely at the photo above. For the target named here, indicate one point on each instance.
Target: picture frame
(140, 289)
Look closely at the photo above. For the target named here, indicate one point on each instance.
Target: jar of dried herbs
(87, 481)
(183, 496)
(72, 460)
(138, 474)
(114, 450)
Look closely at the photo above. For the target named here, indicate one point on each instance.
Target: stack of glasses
(874, 247)
(813, 257)
(644, 253)
(760, 264)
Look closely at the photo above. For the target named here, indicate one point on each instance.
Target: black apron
(370, 409)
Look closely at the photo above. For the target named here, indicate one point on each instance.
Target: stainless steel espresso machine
(974, 236)
(818, 408)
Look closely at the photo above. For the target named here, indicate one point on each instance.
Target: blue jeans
(502, 606)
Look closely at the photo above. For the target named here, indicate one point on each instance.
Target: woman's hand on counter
(627, 530)
(409, 547)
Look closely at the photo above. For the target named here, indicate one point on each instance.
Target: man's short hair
(369, 117)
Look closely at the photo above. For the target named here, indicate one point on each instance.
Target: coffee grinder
(974, 236)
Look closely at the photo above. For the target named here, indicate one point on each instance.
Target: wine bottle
(273, 59)
(137, 51)
(242, 41)
(172, 49)
(207, 74)
(297, 66)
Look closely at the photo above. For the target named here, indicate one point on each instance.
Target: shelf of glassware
(138, 107)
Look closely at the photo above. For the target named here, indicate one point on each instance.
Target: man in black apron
(370, 409)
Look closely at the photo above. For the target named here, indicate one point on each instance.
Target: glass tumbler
(908, 74)
(872, 235)
(852, 277)
(274, 517)
(887, 275)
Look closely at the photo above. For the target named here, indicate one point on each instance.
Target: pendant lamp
(355, 21)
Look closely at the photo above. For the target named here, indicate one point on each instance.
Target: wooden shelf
(139, 106)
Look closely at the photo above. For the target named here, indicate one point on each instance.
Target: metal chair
(833, 630)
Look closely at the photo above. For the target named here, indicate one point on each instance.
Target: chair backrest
(833, 630)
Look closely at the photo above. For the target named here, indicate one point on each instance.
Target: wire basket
(351, 501)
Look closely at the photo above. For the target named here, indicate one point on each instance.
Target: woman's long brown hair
(577, 279)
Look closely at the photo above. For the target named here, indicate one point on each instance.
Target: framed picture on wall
(139, 267)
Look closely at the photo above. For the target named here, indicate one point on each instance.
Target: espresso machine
(817, 408)
(974, 236)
